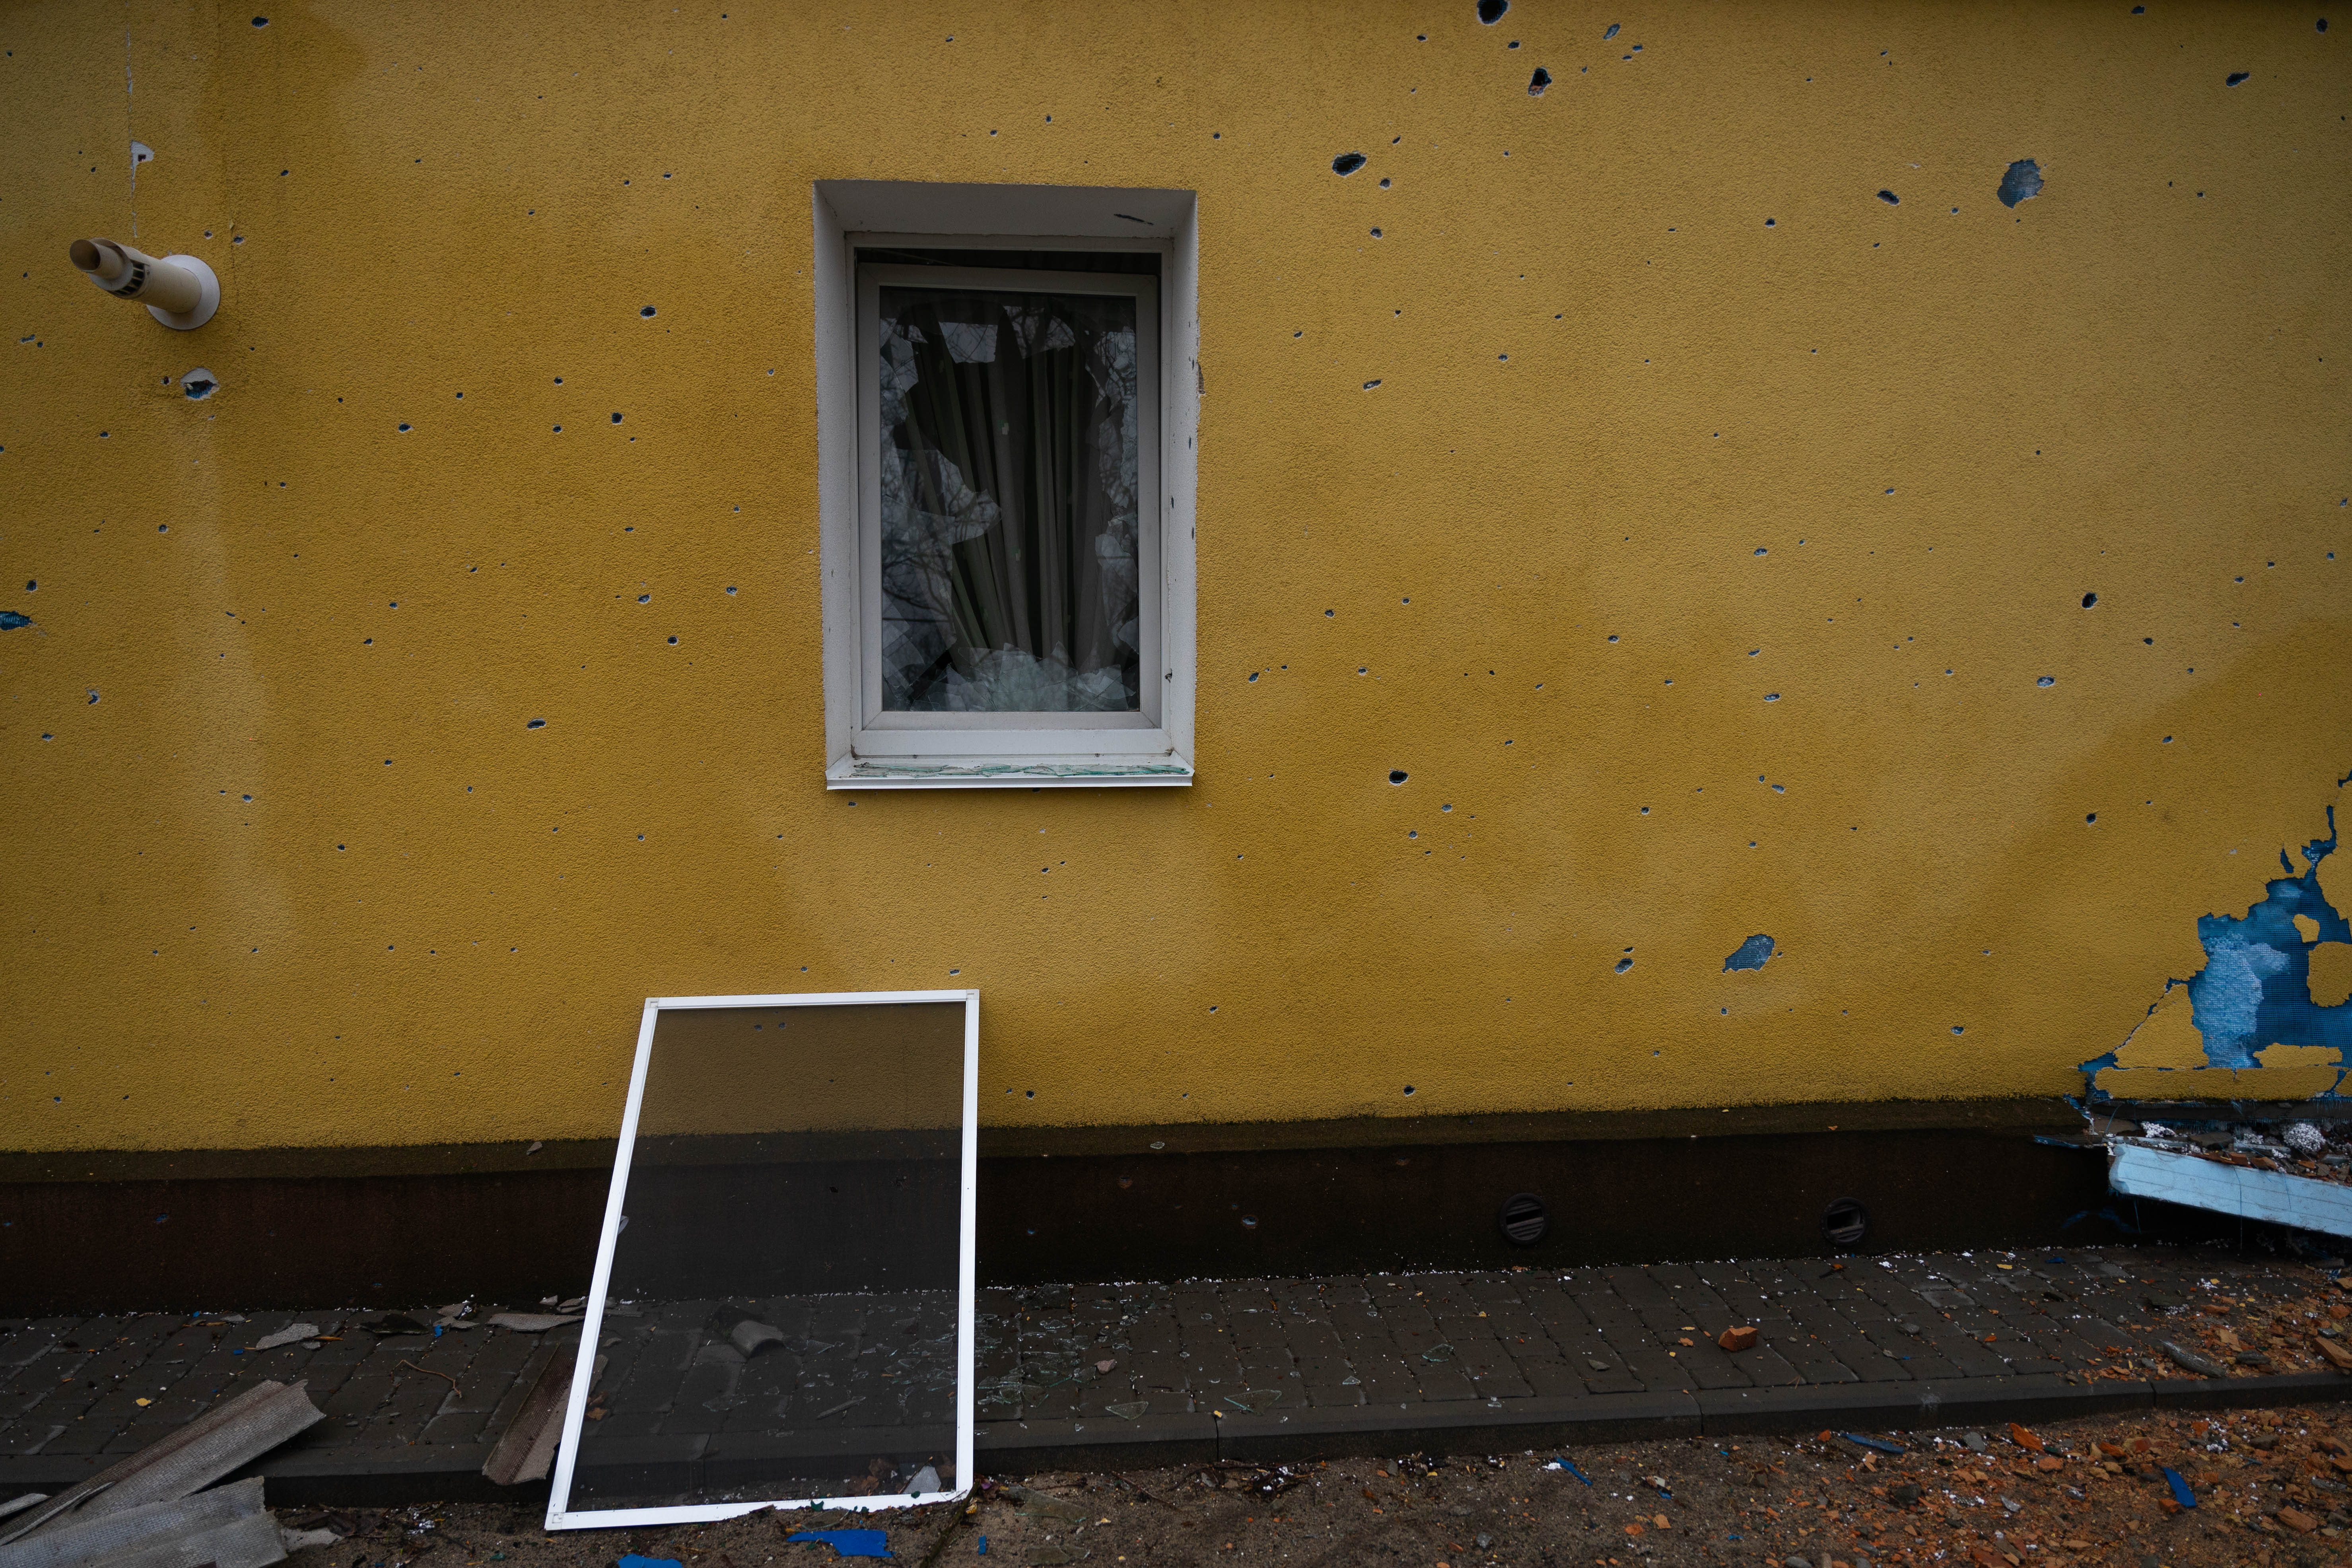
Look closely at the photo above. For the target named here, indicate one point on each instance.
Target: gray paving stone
(1346, 1356)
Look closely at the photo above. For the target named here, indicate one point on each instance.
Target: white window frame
(866, 747)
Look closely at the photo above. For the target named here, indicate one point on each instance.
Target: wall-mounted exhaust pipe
(180, 291)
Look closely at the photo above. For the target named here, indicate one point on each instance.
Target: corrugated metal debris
(150, 1510)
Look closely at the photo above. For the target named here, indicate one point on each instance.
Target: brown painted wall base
(394, 1227)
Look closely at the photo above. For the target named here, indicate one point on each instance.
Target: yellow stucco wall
(1945, 426)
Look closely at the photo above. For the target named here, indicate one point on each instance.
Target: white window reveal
(1009, 577)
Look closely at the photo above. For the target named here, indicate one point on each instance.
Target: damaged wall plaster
(2265, 1017)
(1651, 499)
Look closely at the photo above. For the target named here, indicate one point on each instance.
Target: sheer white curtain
(1009, 473)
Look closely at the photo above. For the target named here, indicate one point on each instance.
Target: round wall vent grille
(1845, 1223)
(1524, 1219)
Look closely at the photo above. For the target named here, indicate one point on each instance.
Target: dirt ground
(2268, 1487)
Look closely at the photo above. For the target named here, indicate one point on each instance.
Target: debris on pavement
(2182, 1357)
(529, 1322)
(228, 1525)
(525, 1452)
(1738, 1337)
(292, 1334)
(2249, 1161)
(733, 1326)
(150, 1510)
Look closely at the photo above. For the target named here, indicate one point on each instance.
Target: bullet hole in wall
(616, 416)
(1753, 954)
(2089, 599)
(1491, 11)
(536, 724)
(1537, 82)
(1343, 165)
(2023, 183)
(2047, 680)
(1610, 33)
(199, 383)
(1890, 199)
(647, 310)
(2237, 77)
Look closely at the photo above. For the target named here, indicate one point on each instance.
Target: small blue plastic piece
(984, 1546)
(634, 1561)
(1875, 1444)
(844, 1542)
(2182, 1493)
(1564, 1463)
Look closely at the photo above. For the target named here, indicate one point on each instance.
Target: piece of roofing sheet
(212, 1445)
(2140, 1172)
(138, 1531)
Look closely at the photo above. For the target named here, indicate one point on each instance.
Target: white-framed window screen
(802, 1170)
(878, 734)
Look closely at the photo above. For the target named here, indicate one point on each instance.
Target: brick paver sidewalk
(1473, 1362)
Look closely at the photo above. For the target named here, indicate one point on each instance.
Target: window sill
(1007, 773)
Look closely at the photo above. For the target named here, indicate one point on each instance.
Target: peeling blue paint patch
(1753, 954)
(2021, 183)
(2254, 991)
(10, 620)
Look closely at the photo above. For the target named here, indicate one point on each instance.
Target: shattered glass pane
(781, 1318)
(1009, 470)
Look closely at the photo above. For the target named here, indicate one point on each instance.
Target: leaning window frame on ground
(559, 1516)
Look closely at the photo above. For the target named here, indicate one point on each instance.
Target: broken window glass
(782, 1312)
(1009, 467)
